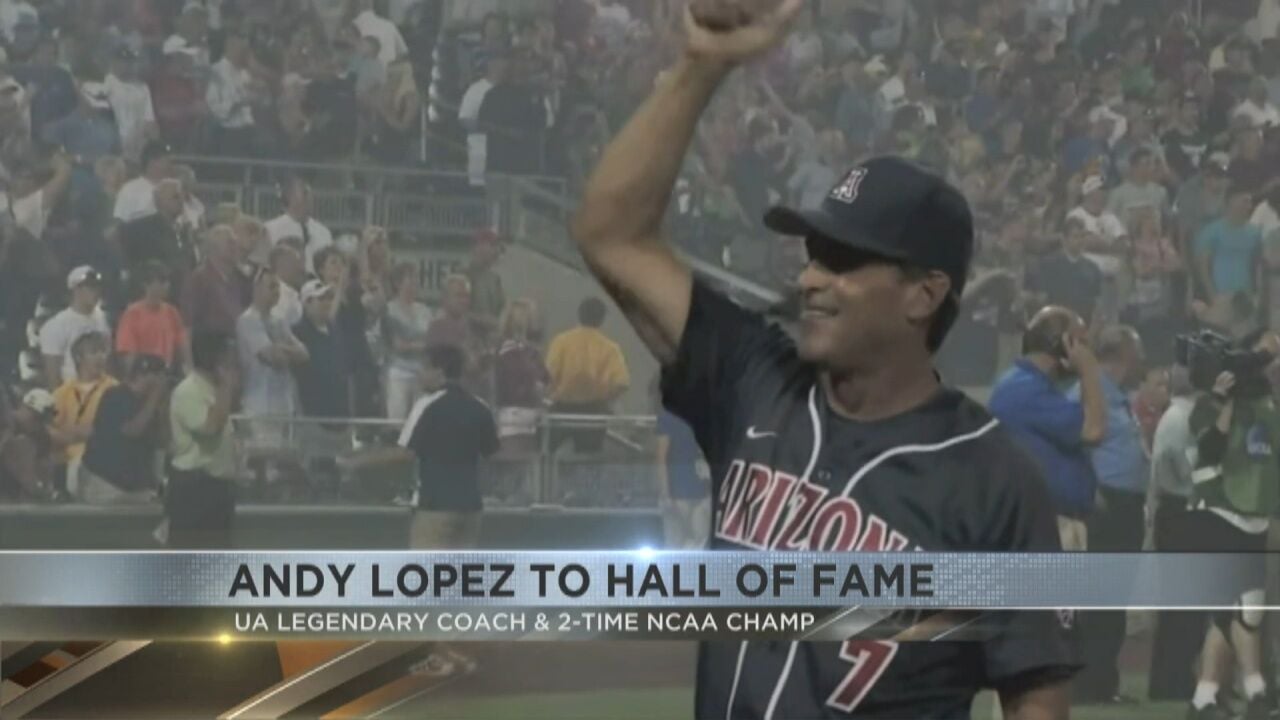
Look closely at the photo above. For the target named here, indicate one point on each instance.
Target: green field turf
(676, 704)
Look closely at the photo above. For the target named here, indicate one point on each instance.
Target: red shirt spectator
(148, 328)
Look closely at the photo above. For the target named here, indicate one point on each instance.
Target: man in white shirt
(1100, 222)
(136, 198)
(268, 351)
(469, 116)
(29, 202)
(296, 221)
(392, 44)
(131, 102)
(286, 262)
(1257, 107)
(83, 315)
(230, 99)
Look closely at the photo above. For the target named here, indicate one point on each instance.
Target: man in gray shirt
(1178, 634)
(1140, 189)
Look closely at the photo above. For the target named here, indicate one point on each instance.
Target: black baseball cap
(155, 150)
(891, 208)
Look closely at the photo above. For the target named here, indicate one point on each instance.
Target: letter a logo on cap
(847, 190)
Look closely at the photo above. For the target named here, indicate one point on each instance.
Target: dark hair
(322, 257)
(943, 318)
(591, 312)
(155, 271)
(208, 349)
(1140, 154)
(1113, 341)
(450, 359)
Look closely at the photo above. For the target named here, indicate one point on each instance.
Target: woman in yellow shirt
(76, 402)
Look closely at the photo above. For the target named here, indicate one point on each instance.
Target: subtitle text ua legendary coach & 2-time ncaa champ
(845, 439)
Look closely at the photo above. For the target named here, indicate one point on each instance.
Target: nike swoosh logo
(753, 434)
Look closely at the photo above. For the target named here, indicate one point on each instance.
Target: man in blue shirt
(1117, 525)
(1054, 429)
(1228, 253)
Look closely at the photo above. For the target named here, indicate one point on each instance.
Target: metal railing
(573, 461)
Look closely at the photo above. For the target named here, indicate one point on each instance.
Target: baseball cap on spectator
(40, 401)
(178, 45)
(154, 150)
(891, 208)
(147, 365)
(1218, 163)
(314, 289)
(81, 276)
(1091, 184)
(194, 6)
(124, 52)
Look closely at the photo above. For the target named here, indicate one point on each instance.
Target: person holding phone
(1054, 429)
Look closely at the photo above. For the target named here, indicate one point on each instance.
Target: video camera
(1206, 355)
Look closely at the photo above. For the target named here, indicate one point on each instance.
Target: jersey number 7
(870, 659)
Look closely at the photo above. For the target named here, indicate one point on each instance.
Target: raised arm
(618, 227)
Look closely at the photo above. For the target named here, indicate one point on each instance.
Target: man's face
(300, 200)
(1095, 202)
(1189, 114)
(92, 360)
(266, 291)
(158, 289)
(1155, 388)
(457, 299)
(1074, 239)
(1240, 207)
(290, 268)
(853, 306)
(86, 294)
(169, 200)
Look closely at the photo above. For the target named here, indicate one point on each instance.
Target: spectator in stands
(1106, 231)
(394, 126)
(231, 100)
(487, 296)
(34, 193)
(352, 324)
(469, 116)
(193, 210)
(269, 353)
(152, 326)
(119, 461)
(212, 299)
(296, 220)
(160, 236)
(1054, 429)
(390, 42)
(130, 99)
(1067, 278)
(406, 326)
(1117, 523)
(88, 132)
(520, 380)
(1201, 198)
(452, 326)
(200, 495)
(286, 262)
(1150, 401)
(83, 315)
(1155, 281)
(1228, 258)
(253, 249)
(178, 93)
(515, 119)
(1178, 634)
(1186, 142)
(588, 373)
(324, 379)
(76, 403)
(190, 34)
(1140, 188)
(137, 198)
(26, 451)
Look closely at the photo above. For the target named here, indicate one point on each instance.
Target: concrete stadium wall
(558, 290)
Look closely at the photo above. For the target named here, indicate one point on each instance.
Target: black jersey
(790, 474)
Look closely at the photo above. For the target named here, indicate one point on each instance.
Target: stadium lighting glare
(224, 639)
(644, 552)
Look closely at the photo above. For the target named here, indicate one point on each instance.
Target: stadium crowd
(1120, 157)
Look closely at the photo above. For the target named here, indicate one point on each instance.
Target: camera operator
(1236, 485)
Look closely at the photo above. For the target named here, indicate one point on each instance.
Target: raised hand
(734, 31)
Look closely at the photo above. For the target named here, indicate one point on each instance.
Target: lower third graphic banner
(587, 595)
